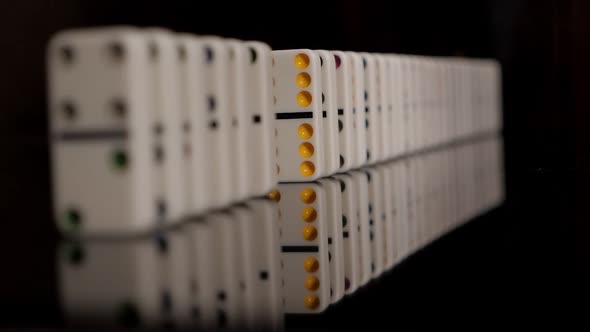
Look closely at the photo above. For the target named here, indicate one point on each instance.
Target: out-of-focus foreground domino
(169, 167)
(193, 117)
(102, 152)
(304, 236)
(218, 167)
(376, 221)
(236, 82)
(298, 115)
(262, 146)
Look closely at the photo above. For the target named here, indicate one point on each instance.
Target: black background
(527, 261)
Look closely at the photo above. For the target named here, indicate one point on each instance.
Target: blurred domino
(217, 168)
(376, 220)
(167, 153)
(194, 125)
(261, 145)
(238, 58)
(225, 271)
(99, 126)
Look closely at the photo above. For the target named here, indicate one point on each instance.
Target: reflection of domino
(376, 220)
(361, 191)
(303, 235)
(335, 238)
(200, 262)
(350, 233)
(344, 108)
(228, 294)
(267, 306)
(138, 298)
(298, 114)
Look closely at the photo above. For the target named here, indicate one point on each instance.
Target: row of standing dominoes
(220, 271)
(149, 127)
(336, 111)
(338, 233)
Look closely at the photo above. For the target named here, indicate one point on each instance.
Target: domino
(358, 102)
(386, 104)
(238, 58)
(350, 233)
(344, 106)
(329, 112)
(261, 145)
(167, 153)
(335, 238)
(218, 120)
(193, 117)
(102, 129)
(298, 113)
(371, 109)
(138, 298)
(383, 107)
(303, 233)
